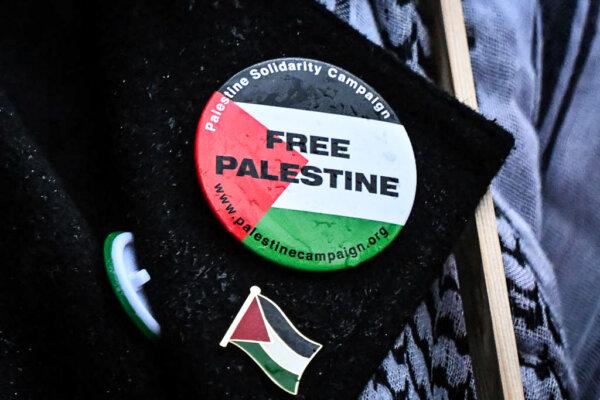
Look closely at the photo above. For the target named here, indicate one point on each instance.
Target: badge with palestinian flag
(264, 332)
(306, 164)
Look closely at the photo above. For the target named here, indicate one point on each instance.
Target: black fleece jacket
(98, 109)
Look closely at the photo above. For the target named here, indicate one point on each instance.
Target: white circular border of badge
(305, 164)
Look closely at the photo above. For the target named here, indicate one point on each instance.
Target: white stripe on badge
(376, 147)
(282, 354)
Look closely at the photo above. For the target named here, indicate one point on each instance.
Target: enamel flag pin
(265, 333)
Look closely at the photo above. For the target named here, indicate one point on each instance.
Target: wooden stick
(481, 272)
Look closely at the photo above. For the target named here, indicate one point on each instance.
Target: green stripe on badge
(282, 377)
(319, 242)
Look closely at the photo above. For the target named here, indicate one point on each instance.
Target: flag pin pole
(254, 291)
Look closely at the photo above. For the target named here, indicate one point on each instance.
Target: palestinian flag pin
(264, 332)
(305, 164)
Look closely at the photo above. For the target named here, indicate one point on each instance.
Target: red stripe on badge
(236, 169)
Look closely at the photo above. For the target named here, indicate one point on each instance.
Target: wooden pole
(484, 293)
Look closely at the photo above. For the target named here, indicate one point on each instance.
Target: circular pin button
(306, 164)
(127, 280)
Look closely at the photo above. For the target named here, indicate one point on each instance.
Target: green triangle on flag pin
(264, 332)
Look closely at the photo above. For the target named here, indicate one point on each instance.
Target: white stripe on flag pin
(263, 331)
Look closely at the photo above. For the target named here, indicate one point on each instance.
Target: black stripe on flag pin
(265, 333)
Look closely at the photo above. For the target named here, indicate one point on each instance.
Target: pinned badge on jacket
(306, 164)
(127, 280)
(264, 332)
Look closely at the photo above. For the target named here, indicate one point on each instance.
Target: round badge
(127, 280)
(306, 164)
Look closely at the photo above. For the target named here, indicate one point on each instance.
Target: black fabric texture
(109, 100)
(63, 334)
